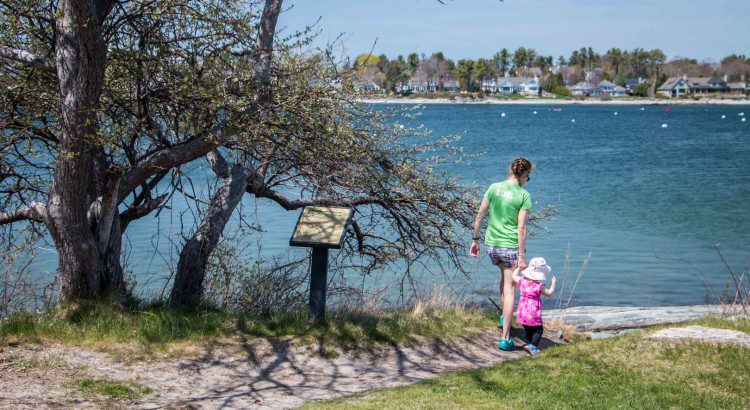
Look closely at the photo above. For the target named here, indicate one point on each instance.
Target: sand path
(257, 373)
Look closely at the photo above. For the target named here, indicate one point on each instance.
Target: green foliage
(367, 60)
(118, 390)
(561, 91)
(627, 372)
(464, 71)
(641, 90)
(159, 327)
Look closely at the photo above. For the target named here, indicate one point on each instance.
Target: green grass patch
(626, 372)
(158, 326)
(118, 390)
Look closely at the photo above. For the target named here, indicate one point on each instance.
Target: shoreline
(544, 101)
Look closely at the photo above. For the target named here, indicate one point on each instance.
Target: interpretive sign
(320, 228)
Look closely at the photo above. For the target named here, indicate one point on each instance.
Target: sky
(478, 28)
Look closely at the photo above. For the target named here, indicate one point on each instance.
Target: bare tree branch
(203, 143)
(28, 59)
(35, 212)
(292, 204)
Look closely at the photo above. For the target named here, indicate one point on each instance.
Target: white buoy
(534, 112)
(642, 108)
(401, 126)
(742, 114)
(664, 125)
(723, 116)
(743, 119)
(573, 120)
(615, 112)
(502, 115)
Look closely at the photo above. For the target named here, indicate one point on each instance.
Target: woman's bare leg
(509, 294)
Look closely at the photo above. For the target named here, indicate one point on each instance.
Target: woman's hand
(474, 249)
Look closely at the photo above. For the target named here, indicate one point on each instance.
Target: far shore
(551, 101)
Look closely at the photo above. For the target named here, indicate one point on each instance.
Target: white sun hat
(537, 269)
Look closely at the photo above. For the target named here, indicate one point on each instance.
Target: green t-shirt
(506, 199)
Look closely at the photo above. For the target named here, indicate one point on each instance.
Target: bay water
(649, 203)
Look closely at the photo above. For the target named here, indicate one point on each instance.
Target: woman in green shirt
(509, 205)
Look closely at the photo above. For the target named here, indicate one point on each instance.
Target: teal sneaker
(506, 344)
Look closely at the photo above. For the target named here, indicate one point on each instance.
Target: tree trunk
(79, 177)
(191, 268)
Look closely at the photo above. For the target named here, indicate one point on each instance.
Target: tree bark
(79, 177)
(191, 268)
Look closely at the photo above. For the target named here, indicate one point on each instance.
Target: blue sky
(478, 28)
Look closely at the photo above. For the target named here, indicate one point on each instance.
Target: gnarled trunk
(191, 268)
(79, 177)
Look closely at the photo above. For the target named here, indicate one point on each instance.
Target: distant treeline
(615, 65)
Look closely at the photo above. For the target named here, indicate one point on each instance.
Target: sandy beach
(549, 101)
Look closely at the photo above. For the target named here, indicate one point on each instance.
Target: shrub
(561, 91)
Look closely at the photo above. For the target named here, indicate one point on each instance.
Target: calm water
(649, 203)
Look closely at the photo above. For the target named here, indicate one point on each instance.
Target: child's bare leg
(508, 290)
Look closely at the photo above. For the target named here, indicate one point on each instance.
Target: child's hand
(554, 280)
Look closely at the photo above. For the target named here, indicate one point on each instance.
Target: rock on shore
(614, 318)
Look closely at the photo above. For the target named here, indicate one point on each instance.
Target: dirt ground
(257, 373)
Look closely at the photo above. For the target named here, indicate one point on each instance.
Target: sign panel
(321, 226)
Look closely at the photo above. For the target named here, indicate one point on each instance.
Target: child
(529, 312)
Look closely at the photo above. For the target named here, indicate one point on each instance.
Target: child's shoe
(531, 349)
(506, 344)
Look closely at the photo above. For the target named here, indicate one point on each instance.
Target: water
(649, 203)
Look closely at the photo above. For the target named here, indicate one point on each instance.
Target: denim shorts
(508, 257)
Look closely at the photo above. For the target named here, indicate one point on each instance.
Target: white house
(367, 86)
(582, 88)
(512, 85)
(681, 86)
(608, 88)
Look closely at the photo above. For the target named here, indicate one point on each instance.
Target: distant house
(367, 86)
(451, 85)
(619, 91)
(740, 87)
(417, 86)
(582, 88)
(512, 85)
(674, 87)
(631, 83)
(681, 86)
(608, 88)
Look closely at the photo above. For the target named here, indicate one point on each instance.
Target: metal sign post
(320, 228)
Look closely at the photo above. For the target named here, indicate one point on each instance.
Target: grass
(625, 372)
(156, 326)
(118, 390)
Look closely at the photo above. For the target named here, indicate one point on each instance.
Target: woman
(509, 205)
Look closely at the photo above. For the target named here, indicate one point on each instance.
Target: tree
(575, 59)
(72, 90)
(503, 61)
(520, 57)
(413, 60)
(101, 134)
(530, 57)
(481, 70)
(736, 67)
(614, 57)
(464, 71)
(367, 59)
